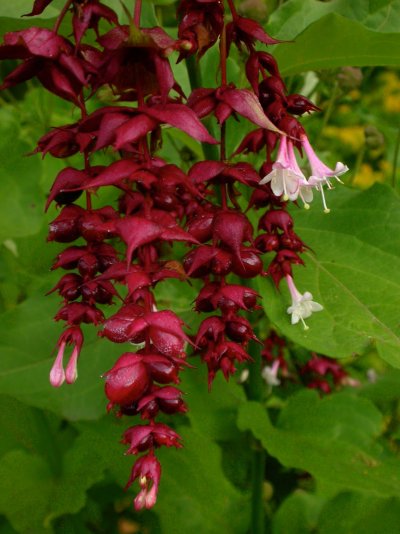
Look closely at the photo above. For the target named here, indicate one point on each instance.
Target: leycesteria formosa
(160, 204)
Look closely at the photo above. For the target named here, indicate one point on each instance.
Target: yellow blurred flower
(367, 176)
(343, 109)
(392, 103)
(355, 94)
(391, 81)
(391, 91)
(352, 136)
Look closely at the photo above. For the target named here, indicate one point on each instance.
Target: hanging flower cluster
(317, 372)
(125, 251)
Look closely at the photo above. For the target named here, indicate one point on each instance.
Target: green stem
(62, 14)
(358, 163)
(255, 392)
(331, 104)
(396, 158)
(193, 72)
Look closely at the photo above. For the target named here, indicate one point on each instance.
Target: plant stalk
(137, 13)
(61, 16)
(396, 159)
(255, 392)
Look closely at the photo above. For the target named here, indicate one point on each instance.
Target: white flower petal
(295, 317)
(315, 306)
(340, 168)
(267, 178)
(306, 193)
(277, 186)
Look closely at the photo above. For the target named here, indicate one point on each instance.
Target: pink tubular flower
(302, 305)
(320, 173)
(148, 470)
(286, 178)
(305, 189)
(71, 336)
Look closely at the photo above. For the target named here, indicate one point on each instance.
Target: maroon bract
(50, 58)
(201, 24)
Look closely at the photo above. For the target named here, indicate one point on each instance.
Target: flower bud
(267, 242)
(204, 299)
(291, 241)
(88, 265)
(98, 291)
(298, 105)
(373, 137)
(69, 286)
(125, 385)
(65, 228)
(221, 263)
(275, 219)
(161, 369)
(247, 265)
(197, 262)
(200, 227)
(117, 328)
(350, 78)
(239, 330)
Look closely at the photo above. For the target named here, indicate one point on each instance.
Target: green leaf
(21, 200)
(26, 483)
(11, 15)
(27, 428)
(384, 390)
(83, 466)
(28, 337)
(295, 16)
(353, 274)
(334, 41)
(17, 8)
(333, 439)
(353, 512)
(211, 413)
(298, 514)
(194, 494)
(148, 17)
(28, 478)
(5, 527)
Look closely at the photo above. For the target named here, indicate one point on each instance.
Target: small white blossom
(270, 374)
(244, 375)
(372, 376)
(302, 304)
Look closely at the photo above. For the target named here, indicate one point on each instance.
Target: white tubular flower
(305, 189)
(270, 374)
(302, 304)
(285, 181)
(320, 173)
